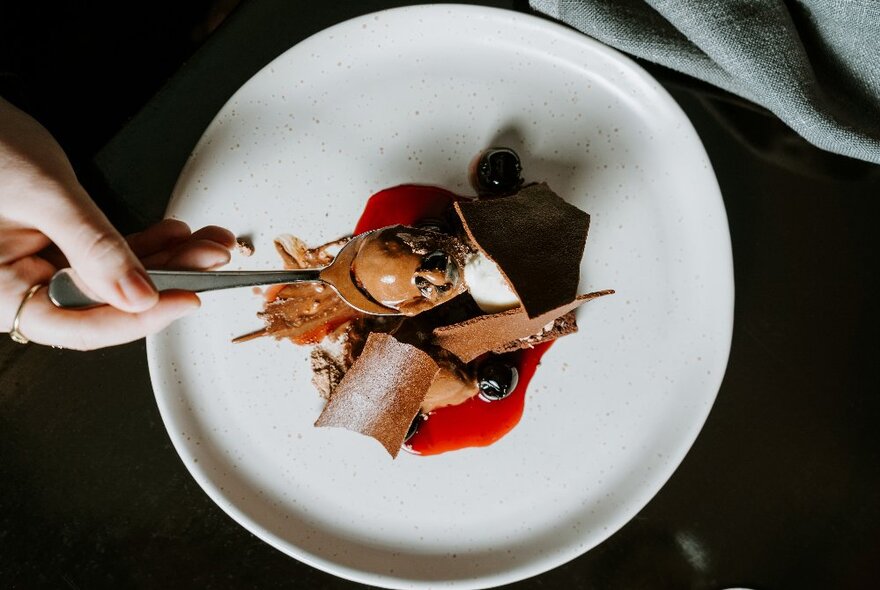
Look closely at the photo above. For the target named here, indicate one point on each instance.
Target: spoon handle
(198, 281)
(67, 290)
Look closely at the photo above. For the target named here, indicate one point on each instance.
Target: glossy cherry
(498, 171)
(497, 379)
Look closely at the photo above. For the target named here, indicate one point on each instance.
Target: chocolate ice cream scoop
(409, 269)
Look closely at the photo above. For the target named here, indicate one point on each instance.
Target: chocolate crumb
(328, 371)
(244, 247)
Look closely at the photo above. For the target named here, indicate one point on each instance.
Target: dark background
(779, 491)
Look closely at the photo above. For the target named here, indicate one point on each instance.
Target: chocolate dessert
(483, 285)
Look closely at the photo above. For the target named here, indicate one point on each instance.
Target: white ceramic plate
(410, 95)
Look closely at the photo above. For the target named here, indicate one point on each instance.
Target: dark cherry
(414, 426)
(498, 172)
(497, 379)
(435, 262)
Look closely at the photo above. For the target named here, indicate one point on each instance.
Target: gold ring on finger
(15, 333)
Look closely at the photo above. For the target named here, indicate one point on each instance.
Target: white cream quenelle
(487, 285)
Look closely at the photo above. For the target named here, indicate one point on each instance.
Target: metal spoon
(67, 290)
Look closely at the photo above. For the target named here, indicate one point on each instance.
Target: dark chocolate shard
(469, 339)
(536, 238)
(381, 393)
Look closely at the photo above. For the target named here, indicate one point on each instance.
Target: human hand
(47, 221)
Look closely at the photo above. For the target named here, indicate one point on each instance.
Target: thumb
(98, 253)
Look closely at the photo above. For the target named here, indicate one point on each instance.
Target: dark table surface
(780, 490)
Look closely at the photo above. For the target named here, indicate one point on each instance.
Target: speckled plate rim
(537, 565)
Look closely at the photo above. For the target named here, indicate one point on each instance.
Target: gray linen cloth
(814, 63)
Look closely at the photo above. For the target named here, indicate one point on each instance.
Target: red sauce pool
(475, 423)
(405, 205)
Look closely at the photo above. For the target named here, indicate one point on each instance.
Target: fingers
(89, 329)
(161, 236)
(170, 233)
(96, 251)
(198, 254)
(214, 233)
(205, 249)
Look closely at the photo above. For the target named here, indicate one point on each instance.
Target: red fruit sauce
(475, 423)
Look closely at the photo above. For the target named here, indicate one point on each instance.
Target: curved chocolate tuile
(381, 393)
(537, 240)
(486, 333)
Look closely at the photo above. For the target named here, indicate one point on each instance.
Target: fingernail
(221, 259)
(137, 289)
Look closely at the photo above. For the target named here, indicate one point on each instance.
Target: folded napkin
(814, 63)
